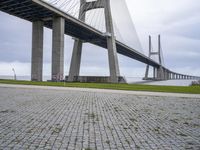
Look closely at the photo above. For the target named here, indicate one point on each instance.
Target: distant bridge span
(34, 10)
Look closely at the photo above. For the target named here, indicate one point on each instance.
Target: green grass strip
(129, 87)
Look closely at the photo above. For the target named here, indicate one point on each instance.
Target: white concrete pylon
(111, 44)
(77, 49)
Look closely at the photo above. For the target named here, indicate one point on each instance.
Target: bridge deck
(32, 10)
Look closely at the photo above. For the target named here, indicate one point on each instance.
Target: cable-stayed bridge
(78, 18)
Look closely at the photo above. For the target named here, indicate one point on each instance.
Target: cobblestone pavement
(75, 120)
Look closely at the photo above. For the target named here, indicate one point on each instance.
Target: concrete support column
(170, 76)
(76, 60)
(58, 49)
(147, 68)
(37, 51)
(154, 72)
(111, 45)
(160, 73)
(77, 49)
(147, 72)
(166, 75)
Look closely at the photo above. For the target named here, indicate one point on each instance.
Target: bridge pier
(37, 51)
(160, 73)
(165, 75)
(58, 48)
(74, 70)
(76, 60)
(169, 76)
(111, 42)
(154, 73)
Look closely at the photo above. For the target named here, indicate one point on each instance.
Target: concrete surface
(37, 50)
(58, 48)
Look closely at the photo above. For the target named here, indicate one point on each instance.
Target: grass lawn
(130, 87)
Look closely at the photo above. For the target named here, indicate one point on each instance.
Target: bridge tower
(111, 44)
(158, 73)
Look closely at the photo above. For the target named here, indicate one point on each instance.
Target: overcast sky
(178, 22)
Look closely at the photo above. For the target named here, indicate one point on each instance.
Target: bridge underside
(34, 10)
(37, 10)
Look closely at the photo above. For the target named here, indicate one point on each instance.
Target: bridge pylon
(111, 44)
(158, 73)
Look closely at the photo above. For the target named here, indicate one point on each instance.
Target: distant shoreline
(130, 80)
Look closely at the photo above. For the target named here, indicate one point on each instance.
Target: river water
(168, 82)
(130, 80)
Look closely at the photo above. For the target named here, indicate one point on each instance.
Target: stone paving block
(75, 120)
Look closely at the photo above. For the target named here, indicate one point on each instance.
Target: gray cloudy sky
(177, 21)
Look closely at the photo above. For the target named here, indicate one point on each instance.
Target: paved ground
(37, 118)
